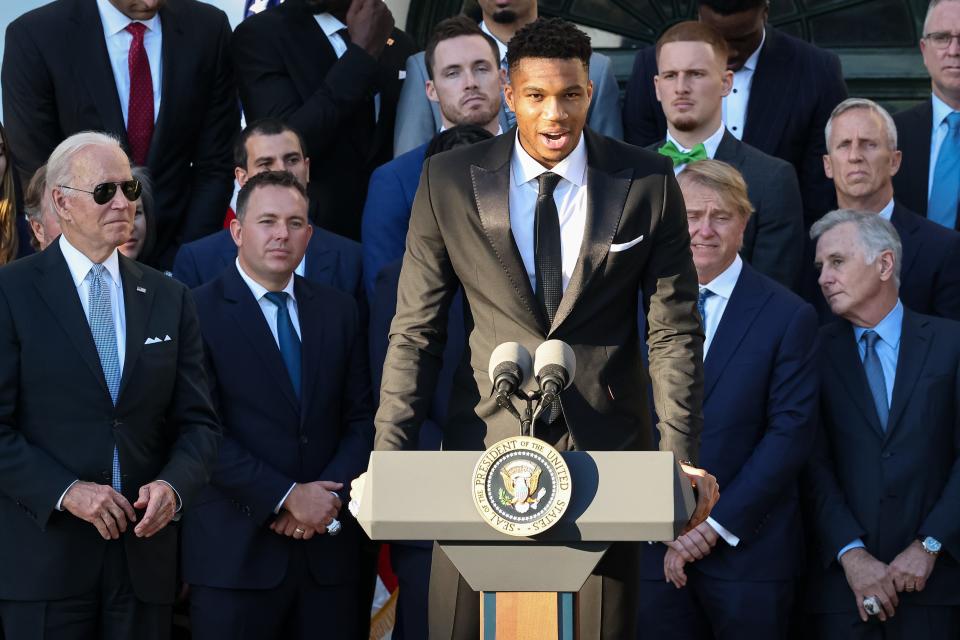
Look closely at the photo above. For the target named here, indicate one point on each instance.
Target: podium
(528, 585)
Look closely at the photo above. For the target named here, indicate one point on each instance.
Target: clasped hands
(308, 510)
(868, 576)
(106, 509)
(698, 537)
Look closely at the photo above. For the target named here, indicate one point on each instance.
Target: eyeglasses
(104, 192)
(941, 39)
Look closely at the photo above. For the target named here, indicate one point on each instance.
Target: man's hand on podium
(708, 492)
(356, 492)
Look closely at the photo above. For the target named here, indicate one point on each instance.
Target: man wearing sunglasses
(929, 180)
(106, 426)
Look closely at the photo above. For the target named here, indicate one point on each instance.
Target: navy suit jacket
(782, 123)
(759, 412)
(914, 131)
(386, 214)
(930, 273)
(271, 439)
(887, 487)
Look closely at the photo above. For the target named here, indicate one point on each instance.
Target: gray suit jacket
(632, 196)
(418, 119)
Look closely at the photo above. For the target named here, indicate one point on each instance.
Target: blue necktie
(701, 306)
(287, 338)
(875, 379)
(105, 338)
(946, 177)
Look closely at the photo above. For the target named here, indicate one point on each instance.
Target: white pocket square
(614, 248)
(166, 338)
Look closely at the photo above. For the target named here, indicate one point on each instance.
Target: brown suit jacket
(460, 236)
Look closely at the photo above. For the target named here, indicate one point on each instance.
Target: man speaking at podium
(553, 231)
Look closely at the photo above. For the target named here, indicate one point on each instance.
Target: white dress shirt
(331, 27)
(735, 104)
(118, 41)
(502, 47)
(940, 128)
(570, 197)
(713, 307)
(709, 145)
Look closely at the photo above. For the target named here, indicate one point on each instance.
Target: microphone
(555, 365)
(509, 369)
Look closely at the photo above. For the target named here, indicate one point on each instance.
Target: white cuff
(64, 494)
(856, 544)
(176, 495)
(728, 537)
(279, 506)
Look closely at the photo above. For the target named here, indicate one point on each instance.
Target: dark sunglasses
(104, 192)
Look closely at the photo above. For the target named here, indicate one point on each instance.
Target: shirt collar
(257, 289)
(940, 110)
(887, 212)
(114, 21)
(79, 264)
(501, 46)
(751, 63)
(573, 168)
(710, 144)
(330, 26)
(888, 329)
(724, 283)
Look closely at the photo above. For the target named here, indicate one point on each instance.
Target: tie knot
(671, 151)
(953, 121)
(278, 298)
(136, 29)
(96, 271)
(548, 181)
(870, 338)
(704, 294)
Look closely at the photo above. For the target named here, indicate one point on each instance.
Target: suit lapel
(906, 227)
(311, 339)
(56, 288)
(137, 302)
(249, 316)
(729, 151)
(321, 261)
(767, 106)
(843, 355)
(914, 347)
(916, 148)
(607, 190)
(175, 47)
(491, 190)
(742, 309)
(89, 49)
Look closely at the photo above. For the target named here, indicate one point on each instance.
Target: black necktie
(546, 251)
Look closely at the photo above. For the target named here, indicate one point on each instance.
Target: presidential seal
(521, 486)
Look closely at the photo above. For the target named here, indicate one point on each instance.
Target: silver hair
(930, 8)
(60, 166)
(876, 234)
(863, 103)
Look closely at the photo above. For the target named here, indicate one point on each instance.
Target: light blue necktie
(946, 177)
(287, 338)
(105, 338)
(701, 306)
(875, 378)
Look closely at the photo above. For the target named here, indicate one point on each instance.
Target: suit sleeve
(28, 475)
(643, 120)
(29, 103)
(191, 412)
(777, 459)
(946, 303)
(605, 115)
(778, 247)
(415, 122)
(419, 329)
(268, 90)
(674, 334)
(384, 224)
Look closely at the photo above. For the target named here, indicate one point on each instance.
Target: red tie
(140, 106)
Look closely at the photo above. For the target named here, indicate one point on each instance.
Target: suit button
(304, 439)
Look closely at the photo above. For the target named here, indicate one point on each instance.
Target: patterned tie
(287, 338)
(875, 379)
(701, 305)
(946, 177)
(547, 252)
(510, 115)
(105, 338)
(140, 106)
(670, 150)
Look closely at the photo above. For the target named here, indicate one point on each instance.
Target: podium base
(517, 615)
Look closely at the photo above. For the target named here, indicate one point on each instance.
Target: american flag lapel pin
(141, 289)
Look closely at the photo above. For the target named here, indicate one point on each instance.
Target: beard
(480, 117)
(685, 123)
(504, 16)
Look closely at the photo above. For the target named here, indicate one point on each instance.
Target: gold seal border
(563, 486)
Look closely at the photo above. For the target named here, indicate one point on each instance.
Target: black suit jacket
(272, 439)
(773, 240)
(930, 269)
(914, 132)
(460, 235)
(784, 123)
(887, 487)
(287, 68)
(58, 424)
(57, 81)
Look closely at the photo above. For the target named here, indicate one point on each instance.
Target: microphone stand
(526, 423)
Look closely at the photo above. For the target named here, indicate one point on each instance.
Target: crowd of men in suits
(200, 420)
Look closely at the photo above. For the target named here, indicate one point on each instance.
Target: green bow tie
(670, 150)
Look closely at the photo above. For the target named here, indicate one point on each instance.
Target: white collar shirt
(502, 47)
(709, 145)
(735, 104)
(722, 288)
(570, 197)
(268, 308)
(940, 128)
(118, 41)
